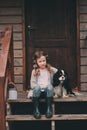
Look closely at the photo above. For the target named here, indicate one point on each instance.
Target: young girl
(41, 82)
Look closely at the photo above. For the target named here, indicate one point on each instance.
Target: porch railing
(6, 69)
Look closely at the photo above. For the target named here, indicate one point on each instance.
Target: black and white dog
(61, 84)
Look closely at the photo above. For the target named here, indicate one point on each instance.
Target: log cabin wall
(83, 43)
(11, 12)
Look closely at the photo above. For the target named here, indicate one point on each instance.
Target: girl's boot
(36, 108)
(49, 108)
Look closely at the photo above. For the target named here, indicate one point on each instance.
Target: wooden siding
(11, 12)
(83, 43)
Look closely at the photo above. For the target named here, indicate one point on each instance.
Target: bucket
(12, 93)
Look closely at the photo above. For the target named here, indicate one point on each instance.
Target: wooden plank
(10, 19)
(83, 43)
(83, 26)
(18, 62)
(84, 78)
(16, 27)
(49, 43)
(17, 36)
(83, 9)
(83, 52)
(18, 79)
(84, 69)
(84, 61)
(83, 35)
(83, 2)
(18, 71)
(84, 87)
(83, 18)
(2, 105)
(4, 53)
(81, 97)
(18, 53)
(10, 11)
(10, 3)
(17, 45)
(19, 87)
(55, 117)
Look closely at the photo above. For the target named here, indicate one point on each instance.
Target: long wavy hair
(37, 55)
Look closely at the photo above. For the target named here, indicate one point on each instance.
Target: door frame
(77, 45)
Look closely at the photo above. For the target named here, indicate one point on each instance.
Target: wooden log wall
(83, 43)
(11, 13)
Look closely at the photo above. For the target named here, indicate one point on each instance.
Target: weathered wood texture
(5, 42)
(83, 43)
(5, 71)
(2, 105)
(69, 112)
(54, 118)
(22, 98)
(11, 12)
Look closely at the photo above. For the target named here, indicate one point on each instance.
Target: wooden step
(81, 97)
(70, 99)
(54, 118)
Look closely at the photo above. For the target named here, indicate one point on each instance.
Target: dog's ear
(55, 79)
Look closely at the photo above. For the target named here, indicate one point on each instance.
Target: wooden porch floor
(80, 97)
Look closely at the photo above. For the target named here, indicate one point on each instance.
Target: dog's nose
(62, 77)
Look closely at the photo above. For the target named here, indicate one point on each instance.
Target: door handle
(31, 28)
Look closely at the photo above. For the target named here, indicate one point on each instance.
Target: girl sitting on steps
(41, 82)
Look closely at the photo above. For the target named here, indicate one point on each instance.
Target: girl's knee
(36, 92)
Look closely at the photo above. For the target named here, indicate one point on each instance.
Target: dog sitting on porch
(61, 84)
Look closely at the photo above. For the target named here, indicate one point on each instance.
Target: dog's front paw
(55, 96)
(30, 94)
(65, 96)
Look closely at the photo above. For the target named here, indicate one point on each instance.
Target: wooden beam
(2, 105)
(81, 97)
(55, 117)
(5, 50)
(5, 43)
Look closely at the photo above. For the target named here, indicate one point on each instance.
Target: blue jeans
(37, 91)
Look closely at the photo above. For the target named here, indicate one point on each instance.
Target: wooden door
(51, 26)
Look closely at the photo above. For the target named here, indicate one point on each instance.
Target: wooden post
(2, 105)
(4, 73)
(53, 122)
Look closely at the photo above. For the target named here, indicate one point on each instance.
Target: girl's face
(42, 62)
